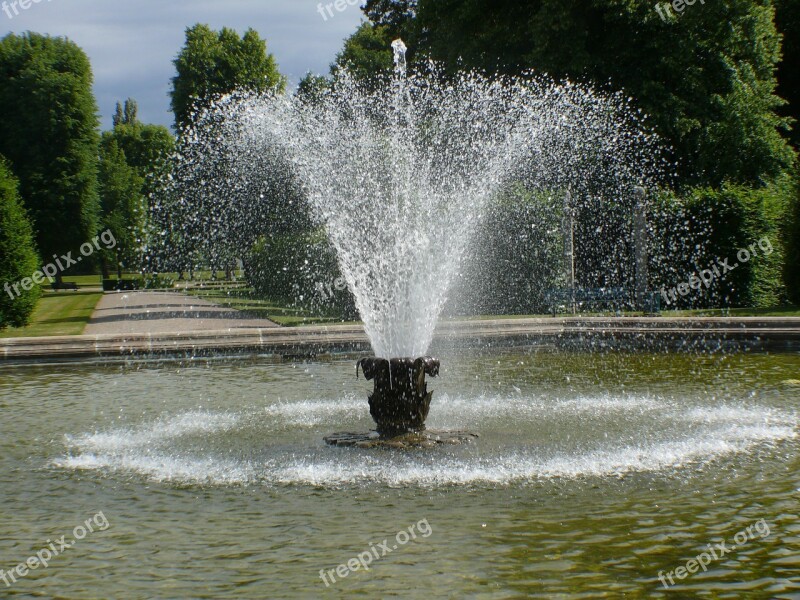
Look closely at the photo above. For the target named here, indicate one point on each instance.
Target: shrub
(792, 236)
(18, 257)
(706, 226)
(301, 270)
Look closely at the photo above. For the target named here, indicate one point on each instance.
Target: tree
(312, 87)
(213, 63)
(367, 52)
(123, 207)
(705, 76)
(146, 147)
(49, 134)
(787, 18)
(133, 159)
(18, 258)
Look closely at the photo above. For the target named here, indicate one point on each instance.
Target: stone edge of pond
(576, 333)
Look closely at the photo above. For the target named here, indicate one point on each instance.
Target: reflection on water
(592, 474)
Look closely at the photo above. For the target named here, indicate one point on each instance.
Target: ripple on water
(206, 447)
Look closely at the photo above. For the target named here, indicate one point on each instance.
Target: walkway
(162, 313)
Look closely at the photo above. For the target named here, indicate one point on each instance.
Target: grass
(264, 308)
(781, 311)
(67, 313)
(58, 313)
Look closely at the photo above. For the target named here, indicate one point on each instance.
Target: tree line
(719, 82)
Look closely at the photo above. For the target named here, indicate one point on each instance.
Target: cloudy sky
(132, 43)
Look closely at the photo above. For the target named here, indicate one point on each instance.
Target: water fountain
(224, 452)
(400, 171)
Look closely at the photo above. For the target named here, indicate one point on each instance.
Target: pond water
(594, 474)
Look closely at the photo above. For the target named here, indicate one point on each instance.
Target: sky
(132, 43)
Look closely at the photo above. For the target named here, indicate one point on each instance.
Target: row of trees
(62, 180)
(719, 83)
(713, 80)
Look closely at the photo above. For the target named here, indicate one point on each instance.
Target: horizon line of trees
(719, 82)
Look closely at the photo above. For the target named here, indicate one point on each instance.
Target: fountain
(399, 173)
(597, 471)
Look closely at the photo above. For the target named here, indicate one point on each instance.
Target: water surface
(593, 474)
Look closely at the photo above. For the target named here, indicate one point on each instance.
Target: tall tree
(133, 158)
(367, 52)
(123, 206)
(215, 63)
(49, 133)
(312, 87)
(147, 147)
(787, 17)
(18, 259)
(705, 75)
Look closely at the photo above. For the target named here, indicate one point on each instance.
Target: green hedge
(704, 227)
(300, 270)
(792, 236)
(515, 256)
(18, 257)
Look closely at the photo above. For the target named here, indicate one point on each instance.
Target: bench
(615, 298)
(64, 286)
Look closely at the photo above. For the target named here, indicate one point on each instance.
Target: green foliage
(312, 88)
(133, 158)
(123, 207)
(213, 63)
(792, 237)
(18, 259)
(396, 16)
(517, 257)
(787, 18)
(709, 226)
(49, 134)
(367, 52)
(301, 270)
(147, 147)
(706, 77)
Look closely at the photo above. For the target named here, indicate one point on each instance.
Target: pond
(595, 474)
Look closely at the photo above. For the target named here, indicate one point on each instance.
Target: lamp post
(569, 249)
(640, 246)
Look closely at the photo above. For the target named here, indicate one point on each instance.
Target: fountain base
(400, 401)
(423, 439)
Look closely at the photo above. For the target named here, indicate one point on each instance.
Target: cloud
(132, 43)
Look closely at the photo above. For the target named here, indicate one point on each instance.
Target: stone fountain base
(399, 406)
(412, 439)
(401, 400)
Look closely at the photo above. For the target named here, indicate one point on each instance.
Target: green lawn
(263, 308)
(781, 311)
(787, 311)
(67, 313)
(58, 313)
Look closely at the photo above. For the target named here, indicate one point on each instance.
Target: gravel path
(154, 312)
